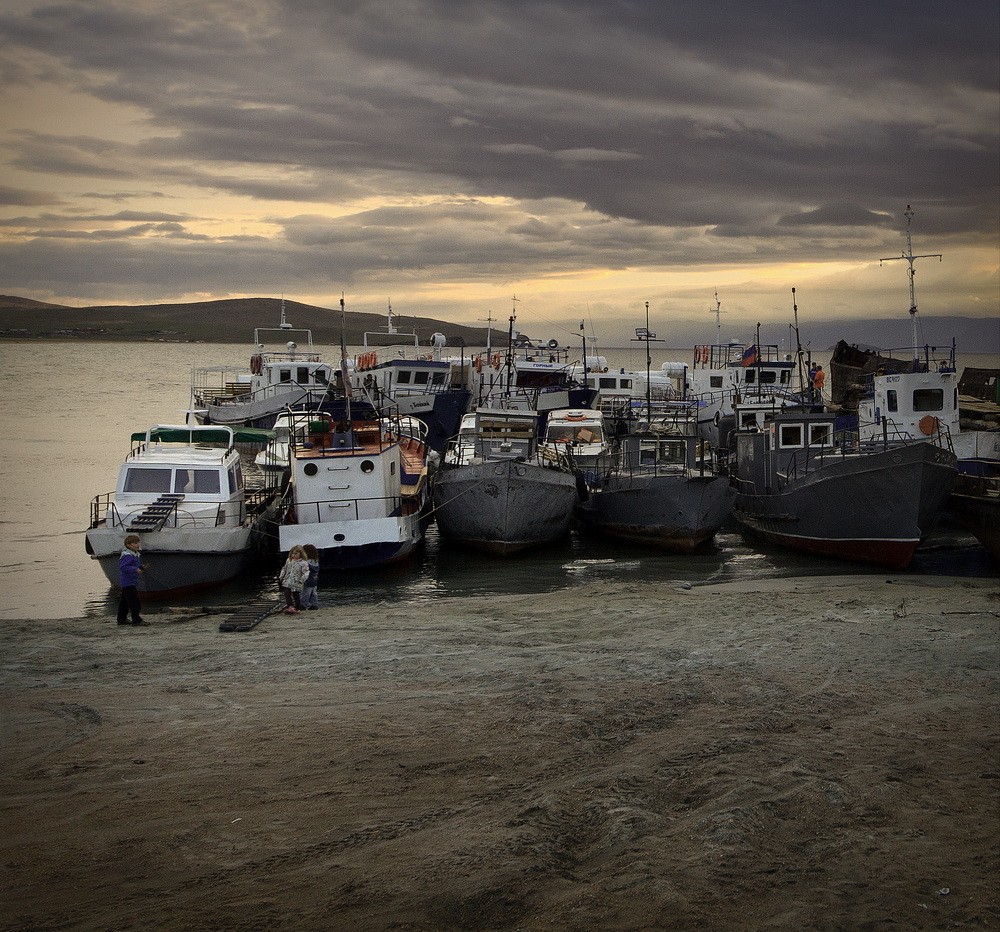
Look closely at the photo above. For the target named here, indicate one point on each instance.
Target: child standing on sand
(293, 574)
(310, 590)
(129, 568)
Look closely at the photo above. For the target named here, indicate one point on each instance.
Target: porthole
(367, 465)
(339, 538)
(310, 469)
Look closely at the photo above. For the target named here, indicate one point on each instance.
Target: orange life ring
(479, 364)
(928, 424)
(574, 417)
(256, 364)
(496, 360)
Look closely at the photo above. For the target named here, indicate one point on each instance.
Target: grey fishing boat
(497, 491)
(659, 486)
(801, 485)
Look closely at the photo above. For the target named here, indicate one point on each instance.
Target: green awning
(206, 435)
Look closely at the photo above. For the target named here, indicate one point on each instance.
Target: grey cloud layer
(631, 133)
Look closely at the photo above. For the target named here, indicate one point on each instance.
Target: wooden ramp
(250, 615)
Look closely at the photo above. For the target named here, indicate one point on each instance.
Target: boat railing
(268, 392)
(324, 435)
(104, 512)
(723, 355)
(100, 506)
(801, 463)
(894, 434)
(333, 511)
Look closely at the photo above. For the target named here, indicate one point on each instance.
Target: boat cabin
(178, 476)
(790, 443)
(911, 404)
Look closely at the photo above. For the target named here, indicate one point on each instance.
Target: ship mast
(717, 310)
(910, 258)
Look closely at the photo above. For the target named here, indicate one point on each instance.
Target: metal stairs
(155, 516)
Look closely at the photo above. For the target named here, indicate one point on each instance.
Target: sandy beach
(811, 753)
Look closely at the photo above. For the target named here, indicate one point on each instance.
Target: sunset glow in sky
(585, 156)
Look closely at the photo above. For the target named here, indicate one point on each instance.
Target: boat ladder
(250, 615)
(155, 516)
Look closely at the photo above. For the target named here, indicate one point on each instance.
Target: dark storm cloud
(632, 134)
(22, 197)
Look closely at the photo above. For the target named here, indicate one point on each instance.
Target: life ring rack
(256, 364)
(496, 360)
(367, 360)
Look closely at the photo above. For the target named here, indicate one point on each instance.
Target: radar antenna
(909, 257)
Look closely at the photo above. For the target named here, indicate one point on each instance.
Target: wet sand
(800, 754)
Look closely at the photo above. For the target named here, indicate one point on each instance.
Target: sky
(572, 159)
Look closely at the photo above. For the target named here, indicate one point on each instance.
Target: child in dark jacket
(310, 589)
(129, 568)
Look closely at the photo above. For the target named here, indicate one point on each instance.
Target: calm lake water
(71, 407)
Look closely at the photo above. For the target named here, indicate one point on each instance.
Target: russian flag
(749, 356)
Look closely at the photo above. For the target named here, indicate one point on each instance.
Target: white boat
(181, 490)
(273, 460)
(916, 398)
(579, 435)
(428, 388)
(498, 491)
(277, 378)
(358, 487)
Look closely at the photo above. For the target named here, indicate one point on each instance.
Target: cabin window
(607, 383)
(891, 401)
(750, 376)
(786, 376)
(768, 376)
(673, 452)
(437, 378)
(791, 435)
(321, 377)
(403, 377)
(420, 378)
(285, 375)
(820, 435)
(147, 480)
(235, 479)
(715, 381)
(928, 399)
(748, 420)
(197, 481)
(302, 375)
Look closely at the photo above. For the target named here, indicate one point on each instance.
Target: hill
(226, 321)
